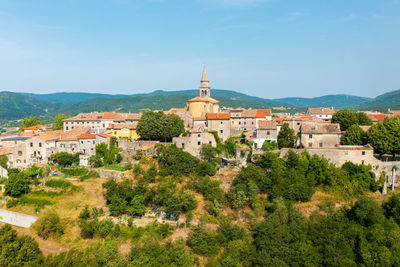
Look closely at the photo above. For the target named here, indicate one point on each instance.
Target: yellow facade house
(123, 130)
(203, 104)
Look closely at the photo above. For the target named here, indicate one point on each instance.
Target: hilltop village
(205, 122)
(202, 185)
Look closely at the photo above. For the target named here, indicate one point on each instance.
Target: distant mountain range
(19, 105)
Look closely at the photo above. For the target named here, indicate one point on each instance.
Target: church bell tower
(205, 85)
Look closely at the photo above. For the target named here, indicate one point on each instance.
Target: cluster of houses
(202, 115)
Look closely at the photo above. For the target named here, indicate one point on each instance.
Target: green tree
(208, 152)
(65, 159)
(345, 118)
(137, 207)
(270, 145)
(363, 119)
(159, 126)
(49, 224)
(17, 184)
(354, 136)
(4, 161)
(392, 208)
(286, 137)
(380, 139)
(28, 122)
(58, 121)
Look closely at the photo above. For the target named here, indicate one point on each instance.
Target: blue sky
(267, 48)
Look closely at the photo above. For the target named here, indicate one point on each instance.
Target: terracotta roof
(104, 135)
(74, 133)
(105, 116)
(393, 113)
(175, 110)
(203, 99)
(279, 121)
(315, 111)
(5, 150)
(199, 118)
(320, 128)
(217, 116)
(38, 127)
(130, 126)
(262, 113)
(377, 117)
(45, 136)
(267, 125)
(87, 136)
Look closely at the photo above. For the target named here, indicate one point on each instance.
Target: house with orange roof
(219, 122)
(99, 122)
(38, 128)
(248, 119)
(375, 118)
(199, 121)
(87, 144)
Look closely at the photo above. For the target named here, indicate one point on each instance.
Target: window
(252, 122)
(94, 142)
(240, 123)
(310, 136)
(267, 132)
(309, 144)
(183, 145)
(31, 144)
(221, 131)
(298, 123)
(198, 143)
(19, 153)
(199, 135)
(222, 122)
(82, 142)
(363, 153)
(40, 144)
(321, 144)
(362, 162)
(66, 128)
(210, 142)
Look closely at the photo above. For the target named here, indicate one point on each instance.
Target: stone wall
(15, 218)
(111, 174)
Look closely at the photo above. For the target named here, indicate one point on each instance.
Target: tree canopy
(58, 121)
(159, 126)
(286, 137)
(28, 122)
(346, 118)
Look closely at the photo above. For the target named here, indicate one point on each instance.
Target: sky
(265, 48)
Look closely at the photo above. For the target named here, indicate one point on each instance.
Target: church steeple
(204, 84)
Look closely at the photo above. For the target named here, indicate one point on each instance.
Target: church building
(200, 105)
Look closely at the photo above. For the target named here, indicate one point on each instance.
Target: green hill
(382, 102)
(336, 101)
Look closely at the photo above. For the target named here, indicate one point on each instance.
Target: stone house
(99, 122)
(68, 141)
(87, 144)
(248, 119)
(194, 140)
(103, 138)
(124, 130)
(321, 113)
(320, 135)
(219, 122)
(267, 130)
(199, 121)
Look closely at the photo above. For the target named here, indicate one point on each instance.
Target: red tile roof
(104, 135)
(5, 150)
(199, 118)
(38, 127)
(262, 113)
(377, 117)
(268, 125)
(203, 99)
(217, 116)
(87, 136)
(316, 111)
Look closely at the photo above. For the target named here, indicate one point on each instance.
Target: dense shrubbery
(17, 184)
(49, 224)
(294, 178)
(106, 154)
(173, 160)
(65, 159)
(18, 250)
